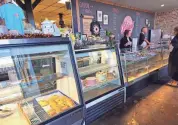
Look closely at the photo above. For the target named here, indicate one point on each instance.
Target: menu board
(86, 24)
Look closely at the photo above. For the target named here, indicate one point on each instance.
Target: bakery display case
(140, 63)
(39, 83)
(165, 54)
(144, 66)
(154, 55)
(101, 79)
(99, 72)
(134, 64)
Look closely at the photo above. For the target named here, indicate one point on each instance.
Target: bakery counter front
(141, 67)
(39, 84)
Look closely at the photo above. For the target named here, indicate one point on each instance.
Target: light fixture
(63, 1)
(162, 5)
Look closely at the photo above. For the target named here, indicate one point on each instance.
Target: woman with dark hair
(126, 41)
(173, 59)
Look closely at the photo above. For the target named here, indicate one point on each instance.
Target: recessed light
(162, 5)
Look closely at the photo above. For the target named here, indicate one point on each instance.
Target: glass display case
(154, 56)
(140, 63)
(38, 82)
(165, 54)
(134, 65)
(99, 73)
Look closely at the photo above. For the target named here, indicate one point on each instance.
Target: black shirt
(123, 41)
(141, 39)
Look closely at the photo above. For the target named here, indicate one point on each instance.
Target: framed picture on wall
(105, 20)
(99, 16)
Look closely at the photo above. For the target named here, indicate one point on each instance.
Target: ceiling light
(162, 5)
(63, 1)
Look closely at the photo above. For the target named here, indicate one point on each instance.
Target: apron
(144, 44)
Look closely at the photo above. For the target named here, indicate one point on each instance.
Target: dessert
(110, 76)
(55, 103)
(43, 103)
(90, 81)
(101, 76)
(52, 112)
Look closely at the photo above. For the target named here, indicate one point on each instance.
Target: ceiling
(150, 5)
(50, 9)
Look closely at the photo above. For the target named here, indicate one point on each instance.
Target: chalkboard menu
(116, 17)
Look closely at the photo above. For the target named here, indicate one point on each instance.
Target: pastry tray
(41, 111)
(40, 115)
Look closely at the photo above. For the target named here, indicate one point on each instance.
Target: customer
(173, 59)
(13, 16)
(126, 41)
(143, 42)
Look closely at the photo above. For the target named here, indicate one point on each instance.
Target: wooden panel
(48, 2)
(39, 7)
(49, 9)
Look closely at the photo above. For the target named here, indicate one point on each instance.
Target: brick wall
(166, 21)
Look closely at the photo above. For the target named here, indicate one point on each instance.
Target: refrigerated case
(102, 81)
(143, 67)
(39, 83)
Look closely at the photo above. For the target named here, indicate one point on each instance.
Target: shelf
(99, 85)
(93, 69)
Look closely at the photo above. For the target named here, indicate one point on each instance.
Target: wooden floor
(155, 105)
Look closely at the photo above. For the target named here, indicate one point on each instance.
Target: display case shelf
(93, 69)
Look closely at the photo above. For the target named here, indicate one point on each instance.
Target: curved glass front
(36, 84)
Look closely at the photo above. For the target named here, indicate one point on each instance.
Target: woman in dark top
(126, 41)
(173, 59)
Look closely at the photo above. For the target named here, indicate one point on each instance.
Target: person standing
(13, 16)
(143, 42)
(126, 41)
(173, 59)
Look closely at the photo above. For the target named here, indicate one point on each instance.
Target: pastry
(43, 103)
(54, 97)
(53, 105)
(90, 81)
(64, 108)
(70, 103)
(110, 76)
(52, 112)
(58, 109)
(101, 76)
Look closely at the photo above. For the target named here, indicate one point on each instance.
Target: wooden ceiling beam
(19, 2)
(35, 3)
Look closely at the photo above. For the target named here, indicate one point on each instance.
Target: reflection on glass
(36, 84)
(99, 73)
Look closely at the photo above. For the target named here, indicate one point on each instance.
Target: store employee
(13, 16)
(126, 41)
(143, 42)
